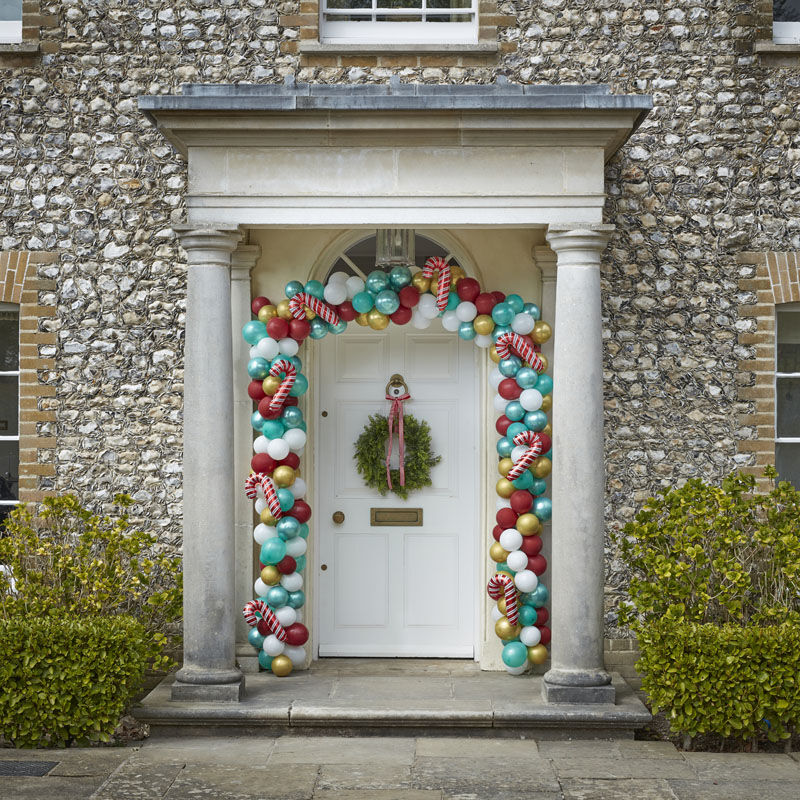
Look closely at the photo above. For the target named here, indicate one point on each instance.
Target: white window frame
(11, 29)
(369, 30)
(12, 373)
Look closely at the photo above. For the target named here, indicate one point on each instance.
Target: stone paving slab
(735, 790)
(380, 794)
(60, 788)
(411, 689)
(222, 750)
(746, 767)
(459, 747)
(584, 789)
(625, 768)
(342, 750)
(364, 776)
(134, 781)
(74, 761)
(245, 782)
(484, 776)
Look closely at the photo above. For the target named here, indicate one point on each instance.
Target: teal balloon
(377, 281)
(287, 527)
(264, 660)
(502, 566)
(539, 596)
(504, 447)
(255, 638)
(400, 277)
(452, 301)
(277, 597)
(301, 563)
(387, 302)
(514, 411)
(525, 481)
(499, 330)
(535, 420)
(526, 378)
(543, 508)
(256, 420)
(466, 331)
(315, 289)
(304, 530)
(509, 366)
(254, 331)
(539, 486)
(514, 654)
(545, 384)
(363, 302)
(527, 616)
(273, 429)
(273, 551)
(285, 498)
(339, 327)
(292, 417)
(514, 429)
(258, 368)
(502, 313)
(297, 599)
(300, 385)
(533, 310)
(303, 427)
(319, 330)
(516, 303)
(292, 288)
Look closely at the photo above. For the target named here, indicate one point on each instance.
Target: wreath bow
(396, 412)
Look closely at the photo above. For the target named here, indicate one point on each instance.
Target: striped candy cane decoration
(443, 290)
(302, 299)
(255, 608)
(279, 398)
(502, 584)
(251, 485)
(513, 342)
(534, 442)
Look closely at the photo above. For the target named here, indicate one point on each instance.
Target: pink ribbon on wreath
(396, 412)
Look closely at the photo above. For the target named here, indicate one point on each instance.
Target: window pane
(788, 401)
(9, 405)
(786, 10)
(10, 21)
(348, 4)
(788, 324)
(9, 470)
(787, 462)
(9, 337)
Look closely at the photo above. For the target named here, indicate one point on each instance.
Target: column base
(208, 692)
(247, 658)
(584, 686)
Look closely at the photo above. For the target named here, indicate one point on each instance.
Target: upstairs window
(786, 21)
(787, 392)
(398, 21)
(9, 408)
(10, 21)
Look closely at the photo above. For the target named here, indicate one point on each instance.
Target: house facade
(268, 140)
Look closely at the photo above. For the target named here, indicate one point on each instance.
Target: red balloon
(506, 518)
(286, 566)
(263, 629)
(501, 426)
(531, 545)
(542, 615)
(278, 328)
(545, 640)
(485, 303)
(296, 634)
(263, 407)
(258, 303)
(292, 460)
(262, 462)
(521, 501)
(498, 297)
(401, 316)
(537, 564)
(291, 401)
(468, 289)
(509, 389)
(299, 329)
(546, 441)
(256, 390)
(409, 296)
(346, 311)
(301, 511)
(496, 531)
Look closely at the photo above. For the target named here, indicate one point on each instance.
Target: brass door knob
(338, 517)
(324, 567)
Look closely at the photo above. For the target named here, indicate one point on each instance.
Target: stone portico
(458, 158)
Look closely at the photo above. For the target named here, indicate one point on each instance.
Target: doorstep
(408, 697)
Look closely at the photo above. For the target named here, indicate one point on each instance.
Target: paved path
(403, 768)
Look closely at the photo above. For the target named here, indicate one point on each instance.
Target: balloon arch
(510, 329)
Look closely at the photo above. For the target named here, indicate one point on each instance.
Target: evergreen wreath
(370, 455)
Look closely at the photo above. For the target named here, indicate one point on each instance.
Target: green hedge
(69, 679)
(729, 680)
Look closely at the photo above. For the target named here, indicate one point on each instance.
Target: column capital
(208, 243)
(243, 259)
(584, 243)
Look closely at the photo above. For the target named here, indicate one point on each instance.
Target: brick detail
(19, 284)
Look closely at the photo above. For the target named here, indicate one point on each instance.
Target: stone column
(243, 259)
(577, 673)
(545, 259)
(209, 671)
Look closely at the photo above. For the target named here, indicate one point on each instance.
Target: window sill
(310, 47)
(775, 53)
(27, 48)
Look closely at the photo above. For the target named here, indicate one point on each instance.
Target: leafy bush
(67, 679)
(68, 560)
(728, 680)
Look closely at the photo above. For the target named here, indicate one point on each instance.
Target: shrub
(67, 679)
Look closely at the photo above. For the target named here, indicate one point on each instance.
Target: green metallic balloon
(363, 302)
(387, 302)
(273, 428)
(319, 329)
(377, 281)
(400, 277)
(264, 660)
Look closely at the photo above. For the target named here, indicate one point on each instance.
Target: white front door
(397, 590)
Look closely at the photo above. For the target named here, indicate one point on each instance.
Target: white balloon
(466, 311)
(278, 449)
(260, 588)
(526, 581)
(293, 582)
(260, 504)
(273, 646)
(253, 352)
(354, 285)
(337, 277)
(268, 348)
(288, 346)
(522, 323)
(517, 560)
(517, 670)
(501, 502)
(298, 488)
(530, 636)
(263, 532)
(496, 613)
(297, 546)
(335, 293)
(297, 655)
(499, 403)
(483, 341)
(495, 376)
(260, 444)
(419, 321)
(510, 540)
(531, 399)
(427, 306)
(286, 616)
(518, 452)
(295, 439)
(450, 321)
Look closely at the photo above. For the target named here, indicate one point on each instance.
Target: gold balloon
(548, 429)
(310, 314)
(541, 332)
(547, 403)
(483, 324)
(545, 362)
(504, 467)
(422, 284)
(361, 319)
(267, 518)
(281, 666)
(456, 274)
(283, 475)
(497, 553)
(494, 355)
(536, 654)
(528, 524)
(270, 575)
(266, 313)
(376, 320)
(501, 605)
(283, 309)
(505, 630)
(504, 488)
(270, 384)
(542, 467)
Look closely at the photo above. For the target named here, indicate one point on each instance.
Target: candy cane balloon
(254, 608)
(251, 485)
(279, 398)
(513, 342)
(503, 584)
(443, 290)
(301, 300)
(534, 442)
